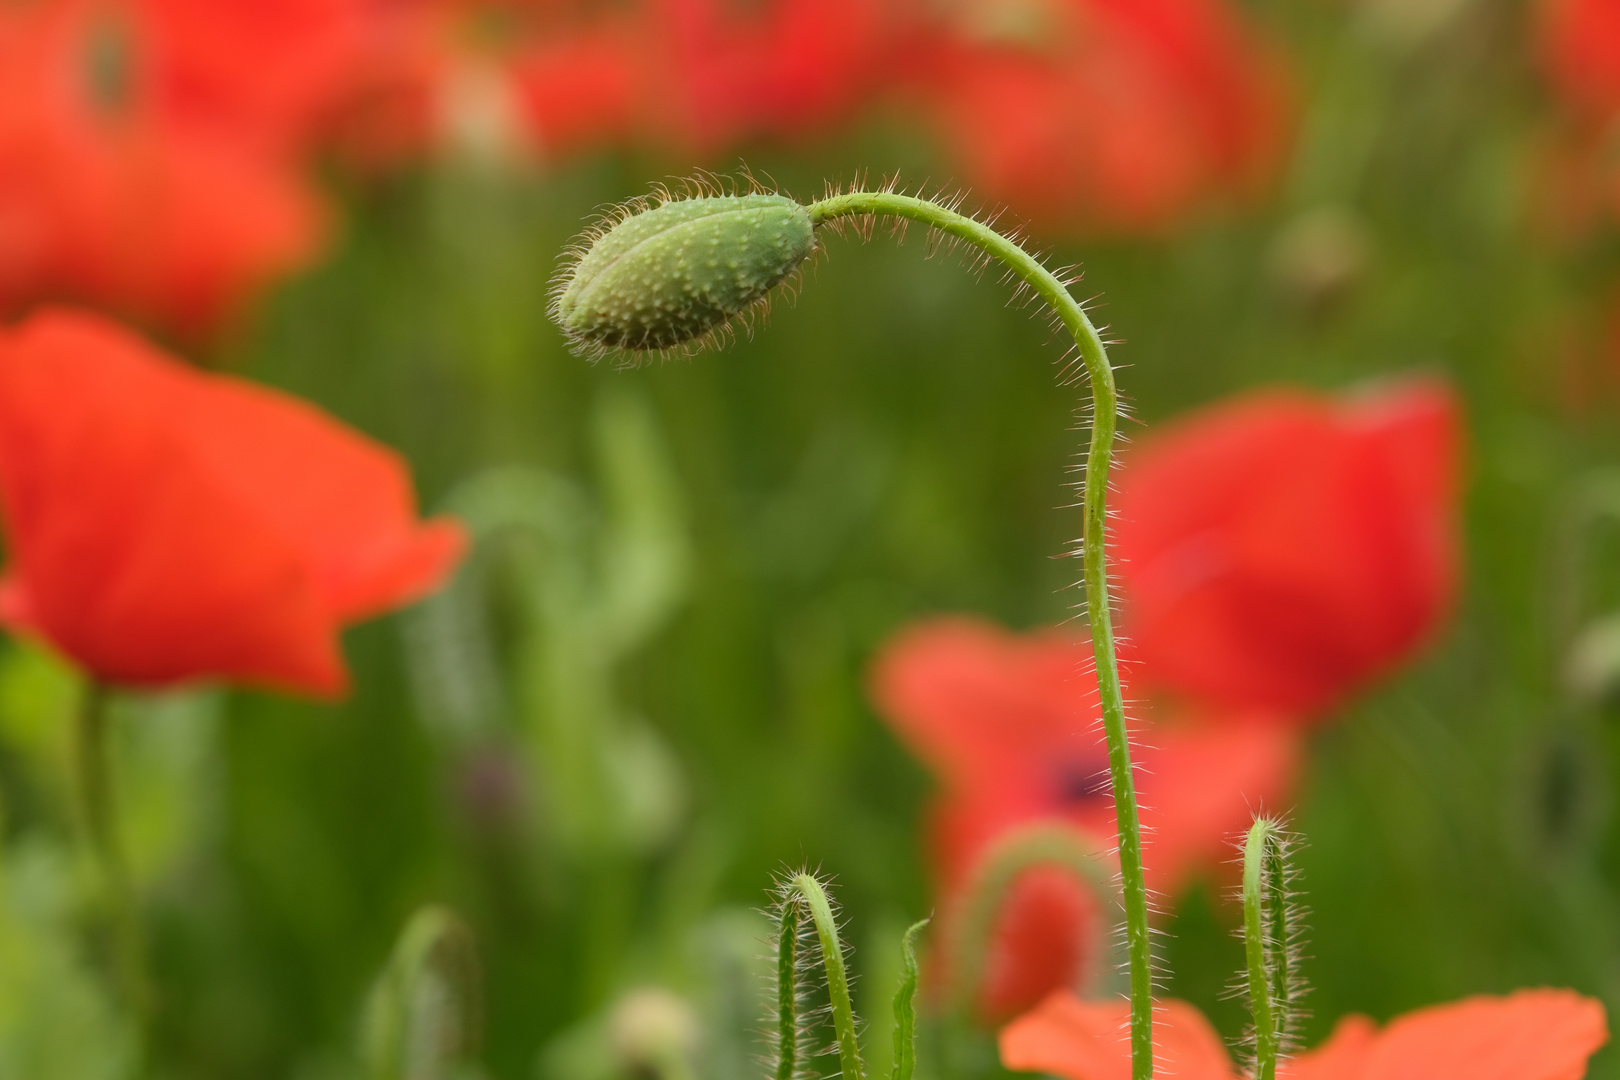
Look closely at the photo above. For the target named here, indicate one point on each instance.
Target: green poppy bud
(663, 277)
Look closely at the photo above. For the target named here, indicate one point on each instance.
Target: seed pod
(663, 277)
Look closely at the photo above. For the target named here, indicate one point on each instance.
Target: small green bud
(662, 277)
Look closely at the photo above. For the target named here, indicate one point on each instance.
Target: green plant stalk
(1094, 556)
(1258, 850)
(832, 957)
(98, 810)
(434, 963)
(1284, 954)
(787, 990)
(905, 1014)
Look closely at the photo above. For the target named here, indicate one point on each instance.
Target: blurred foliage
(421, 1018)
(644, 694)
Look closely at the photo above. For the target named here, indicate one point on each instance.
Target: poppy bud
(665, 276)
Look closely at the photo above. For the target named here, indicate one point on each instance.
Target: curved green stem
(1045, 844)
(905, 1015)
(1265, 939)
(98, 809)
(1094, 555)
(424, 1011)
(832, 957)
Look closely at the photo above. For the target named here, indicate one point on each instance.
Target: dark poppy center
(1082, 782)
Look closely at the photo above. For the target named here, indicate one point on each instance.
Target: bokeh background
(647, 690)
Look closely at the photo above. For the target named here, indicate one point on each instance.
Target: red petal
(577, 91)
(1124, 114)
(168, 525)
(1342, 1057)
(124, 552)
(1047, 936)
(1280, 550)
(343, 502)
(269, 72)
(1090, 1040)
(1541, 1034)
(1581, 49)
(982, 705)
(1201, 781)
(132, 206)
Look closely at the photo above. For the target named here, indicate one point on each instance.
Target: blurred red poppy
(729, 72)
(1580, 45)
(1116, 114)
(166, 525)
(1010, 725)
(1580, 52)
(502, 80)
(701, 74)
(1282, 549)
(272, 72)
(1540, 1034)
(107, 195)
(579, 90)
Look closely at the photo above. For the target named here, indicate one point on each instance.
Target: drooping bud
(665, 276)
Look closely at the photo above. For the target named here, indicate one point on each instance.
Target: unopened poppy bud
(665, 276)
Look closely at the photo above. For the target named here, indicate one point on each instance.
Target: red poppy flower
(503, 80)
(1011, 727)
(1282, 549)
(787, 68)
(1541, 1034)
(554, 80)
(107, 196)
(1580, 52)
(166, 525)
(273, 71)
(1120, 114)
(1580, 45)
(577, 91)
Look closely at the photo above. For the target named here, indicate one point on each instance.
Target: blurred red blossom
(1123, 111)
(1540, 1034)
(1274, 553)
(271, 71)
(114, 190)
(700, 75)
(1116, 114)
(166, 525)
(1011, 727)
(502, 81)
(1580, 45)
(1283, 548)
(578, 90)
(1580, 53)
(730, 71)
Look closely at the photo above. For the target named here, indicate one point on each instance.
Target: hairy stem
(787, 990)
(1265, 938)
(1094, 555)
(810, 890)
(97, 804)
